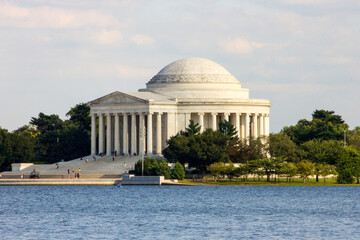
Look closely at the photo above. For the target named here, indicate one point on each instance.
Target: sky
(302, 55)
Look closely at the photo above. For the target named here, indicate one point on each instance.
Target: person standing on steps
(79, 172)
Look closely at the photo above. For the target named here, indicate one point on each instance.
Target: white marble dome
(196, 78)
(193, 70)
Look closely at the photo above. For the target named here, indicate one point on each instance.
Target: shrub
(178, 172)
(153, 167)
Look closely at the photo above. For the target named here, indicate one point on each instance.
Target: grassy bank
(263, 182)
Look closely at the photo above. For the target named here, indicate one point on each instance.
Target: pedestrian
(57, 166)
(79, 172)
(78, 175)
(86, 160)
(34, 170)
(68, 171)
(113, 158)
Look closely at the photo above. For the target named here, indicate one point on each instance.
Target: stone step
(64, 176)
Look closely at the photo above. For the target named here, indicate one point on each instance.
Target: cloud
(292, 88)
(340, 60)
(106, 37)
(134, 72)
(239, 45)
(142, 40)
(49, 17)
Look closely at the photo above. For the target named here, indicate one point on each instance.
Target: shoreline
(57, 182)
(113, 182)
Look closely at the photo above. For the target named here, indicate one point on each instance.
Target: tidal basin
(179, 212)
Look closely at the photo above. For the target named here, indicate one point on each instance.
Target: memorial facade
(139, 123)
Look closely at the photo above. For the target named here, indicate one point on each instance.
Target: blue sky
(302, 55)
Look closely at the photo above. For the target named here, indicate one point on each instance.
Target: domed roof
(193, 70)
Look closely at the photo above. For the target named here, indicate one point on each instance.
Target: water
(174, 212)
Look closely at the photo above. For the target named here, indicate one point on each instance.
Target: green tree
(178, 172)
(243, 170)
(354, 138)
(153, 167)
(326, 170)
(160, 168)
(322, 151)
(47, 147)
(178, 148)
(15, 147)
(80, 115)
(243, 152)
(280, 145)
(346, 166)
(147, 162)
(230, 170)
(325, 125)
(289, 170)
(305, 169)
(228, 129)
(215, 169)
(268, 165)
(192, 129)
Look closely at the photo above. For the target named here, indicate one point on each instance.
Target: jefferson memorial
(139, 123)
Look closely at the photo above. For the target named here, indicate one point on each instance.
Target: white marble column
(108, 134)
(242, 126)
(93, 134)
(261, 125)
(125, 134)
(213, 121)
(201, 121)
(247, 122)
(133, 133)
(267, 125)
(255, 125)
(158, 133)
(237, 124)
(149, 134)
(226, 116)
(117, 134)
(101, 133)
(141, 134)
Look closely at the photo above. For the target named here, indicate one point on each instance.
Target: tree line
(47, 139)
(321, 146)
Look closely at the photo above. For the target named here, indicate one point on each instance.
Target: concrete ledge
(25, 182)
(142, 180)
(20, 166)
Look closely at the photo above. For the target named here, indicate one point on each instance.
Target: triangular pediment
(117, 98)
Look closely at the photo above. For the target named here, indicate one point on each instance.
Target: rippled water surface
(174, 212)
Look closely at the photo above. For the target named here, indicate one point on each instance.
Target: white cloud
(142, 40)
(49, 17)
(106, 37)
(292, 88)
(340, 60)
(43, 38)
(239, 45)
(134, 72)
